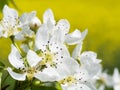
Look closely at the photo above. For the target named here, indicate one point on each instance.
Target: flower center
(30, 72)
(47, 57)
(68, 80)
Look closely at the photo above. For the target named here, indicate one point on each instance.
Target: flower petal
(83, 34)
(79, 87)
(73, 38)
(76, 52)
(48, 74)
(27, 17)
(48, 15)
(33, 58)
(42, 37)
(116, 76)
(16, 76)
(15, 58)
(9, 13)
(63, 25)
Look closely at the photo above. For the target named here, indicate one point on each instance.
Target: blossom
(26, 20)
(31, 66)
(26, 68)
(116, 79)
(106, 79)
(10, 23)
(51, 50)
(87, 60)
(78, 78)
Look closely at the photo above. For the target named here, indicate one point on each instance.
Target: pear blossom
(78, 79)
(106, 79)
(26, 21)
(64, 26)
(31, 67)
(87, 60)
(116, 79)
(31, 70)
(27, 68)
(10, 23)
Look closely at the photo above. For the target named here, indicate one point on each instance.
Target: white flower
(78, 78)
(88, 60)
(63, 26)
(106, 79)
(32, 66)
(27, 68)
(25, 20)
(116, 79)
(10, 23)
(53, 53)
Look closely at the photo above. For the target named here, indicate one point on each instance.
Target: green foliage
(2, 3)
(1, 66)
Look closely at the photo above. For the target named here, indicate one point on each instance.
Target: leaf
(46, 86)
(2, 3)
(8, 83)
(54, 85)
(2, 66)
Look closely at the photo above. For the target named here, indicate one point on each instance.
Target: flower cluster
(43, 53)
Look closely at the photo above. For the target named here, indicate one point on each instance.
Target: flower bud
(35, 23)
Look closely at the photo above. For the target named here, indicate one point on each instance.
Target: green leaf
(8, 83)
(2, 3)
(2, 66)
(46, 86)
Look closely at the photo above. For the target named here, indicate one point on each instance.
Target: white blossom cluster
(44, 55)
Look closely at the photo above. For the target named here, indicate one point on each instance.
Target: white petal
(1, 29)
(9, 13)
(90, 63)
(89, 57)
(82, 75)
(15, 58)
(83, 34)
(33, 58)
(79, 87)
(68, 67)
(27, 17)
(116, 87)
(77, 51)
(48, 15)
(102, 87)
(58, 36)
(25, 47)
(25, 33)
(73, 38)
(63, 25)
(116, 76)
(42, 37)
(48, 74)
(16, 76)
(71, 64)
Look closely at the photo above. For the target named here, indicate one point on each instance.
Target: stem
(5, 79)
(15, 44)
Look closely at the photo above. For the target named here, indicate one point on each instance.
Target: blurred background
(101, 17)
